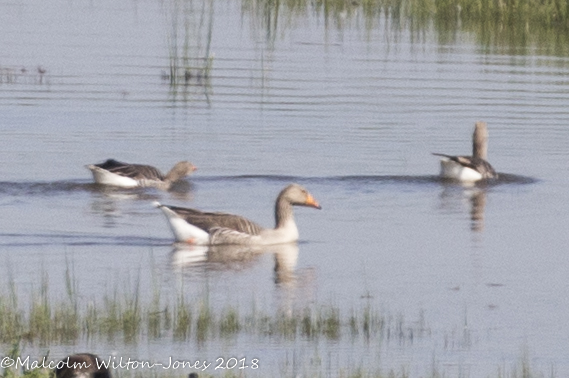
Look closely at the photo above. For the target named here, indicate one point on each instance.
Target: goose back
(479, 165)
(133, 171)
(208, 221)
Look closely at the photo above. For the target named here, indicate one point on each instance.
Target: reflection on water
(453, 198)
(476, 194)
(223, 257)
(108, 201)
(348, 98)
(24, 75)
(236, 257)
(294, 289)
(42, 188)
(286, 258)
(186, 256)
(182, 189)
(477, 203)
(191, 25)
(503, 28)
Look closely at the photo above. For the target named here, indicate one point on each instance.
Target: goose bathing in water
(116, 173)
(470, 168)
(197, 227)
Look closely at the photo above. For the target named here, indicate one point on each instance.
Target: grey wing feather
(133, 171)
(443, 155)
(209, 221)
(482, 166)
(478, 164)
(220, 236)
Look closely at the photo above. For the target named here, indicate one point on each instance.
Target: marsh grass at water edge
(521, 26)
(398, 275)
(126, 317)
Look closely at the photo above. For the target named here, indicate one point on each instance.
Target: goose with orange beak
(202, 228)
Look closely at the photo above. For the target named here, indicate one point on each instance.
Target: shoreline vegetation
(128, 317)
(513, 27)
(42, 321)
(125, 317)
(517, 27)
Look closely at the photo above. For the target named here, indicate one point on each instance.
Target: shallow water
(477, 273)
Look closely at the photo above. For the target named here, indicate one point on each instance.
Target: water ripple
(43, 188)
(38, 240)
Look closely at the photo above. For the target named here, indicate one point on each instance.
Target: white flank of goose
(470, 168)
(201, 228)
(116, 173)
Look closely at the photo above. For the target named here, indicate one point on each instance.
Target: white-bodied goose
(126, 175)
(197, 227)
(470, 168)
(82, 365)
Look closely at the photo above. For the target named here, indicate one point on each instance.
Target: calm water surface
(476, 276)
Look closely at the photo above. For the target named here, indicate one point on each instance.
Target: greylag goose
(83, 365)
(470, 168)
(116, 173)
(201, 228)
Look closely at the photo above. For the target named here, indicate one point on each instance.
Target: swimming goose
(82, 365)
(126, 175)
(470, 168)
(197, 227)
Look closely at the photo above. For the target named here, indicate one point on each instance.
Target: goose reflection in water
(237, 257)
(108, 201)
(477, 205)
(476, 199)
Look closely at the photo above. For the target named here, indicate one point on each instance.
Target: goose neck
(283, 212)
(480, 142)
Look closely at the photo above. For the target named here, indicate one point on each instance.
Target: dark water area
(470, 280)
(68, 187)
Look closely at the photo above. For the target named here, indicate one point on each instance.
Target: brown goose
(197, 227)
(83, 365)
(470, 168)
(116, 173)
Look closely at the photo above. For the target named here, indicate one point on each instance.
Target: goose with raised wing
(470, 168)
(203, 228)
(125, 175)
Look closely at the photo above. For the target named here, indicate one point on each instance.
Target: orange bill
(310, 201)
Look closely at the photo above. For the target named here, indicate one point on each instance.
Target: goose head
(180, 170)
(299, 196)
